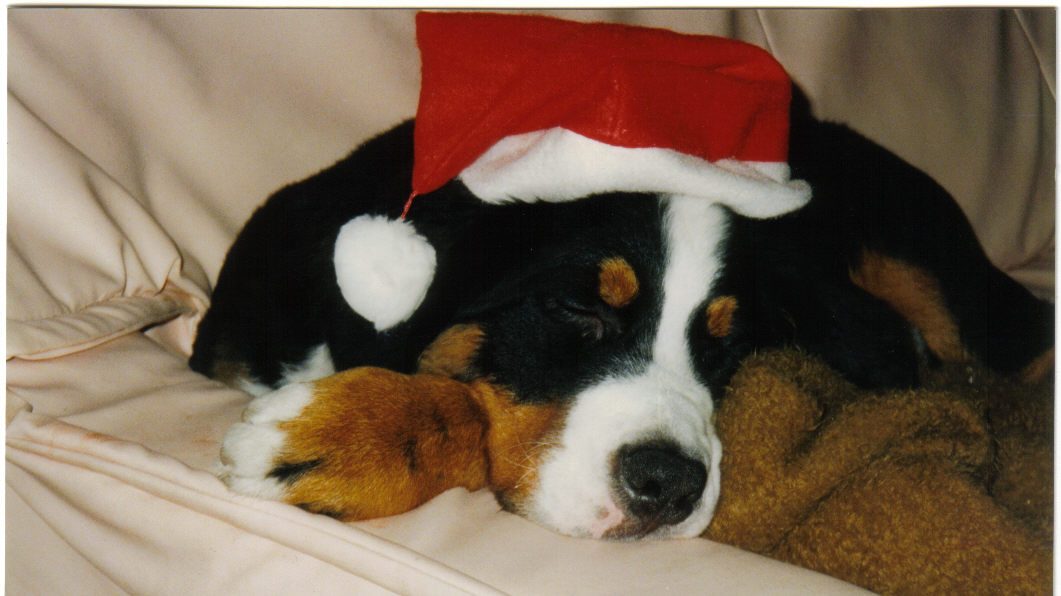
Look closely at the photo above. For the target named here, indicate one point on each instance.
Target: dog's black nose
(660, 484)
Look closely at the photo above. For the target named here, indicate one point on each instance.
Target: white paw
(250, 449)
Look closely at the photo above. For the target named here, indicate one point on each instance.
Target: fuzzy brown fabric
(947, 489)
(941, 490)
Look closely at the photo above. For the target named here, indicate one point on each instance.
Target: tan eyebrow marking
(618, 282)
(720, 316)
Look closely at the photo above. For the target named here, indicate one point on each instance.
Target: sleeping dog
(623, 315)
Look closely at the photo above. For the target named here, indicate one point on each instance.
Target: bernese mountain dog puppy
(624, 313)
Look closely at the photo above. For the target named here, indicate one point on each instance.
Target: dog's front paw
(251, 461)
(360, 444)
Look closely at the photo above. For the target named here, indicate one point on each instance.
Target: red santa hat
(528, 108)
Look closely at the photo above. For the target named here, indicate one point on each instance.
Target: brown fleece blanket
(941, 490)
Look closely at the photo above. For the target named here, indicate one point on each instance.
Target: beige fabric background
(140, 140)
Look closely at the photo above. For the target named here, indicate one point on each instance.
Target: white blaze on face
(575, 491)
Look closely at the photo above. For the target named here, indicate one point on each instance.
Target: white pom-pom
(384, 268)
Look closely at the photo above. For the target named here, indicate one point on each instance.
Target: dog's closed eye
(595, 322)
